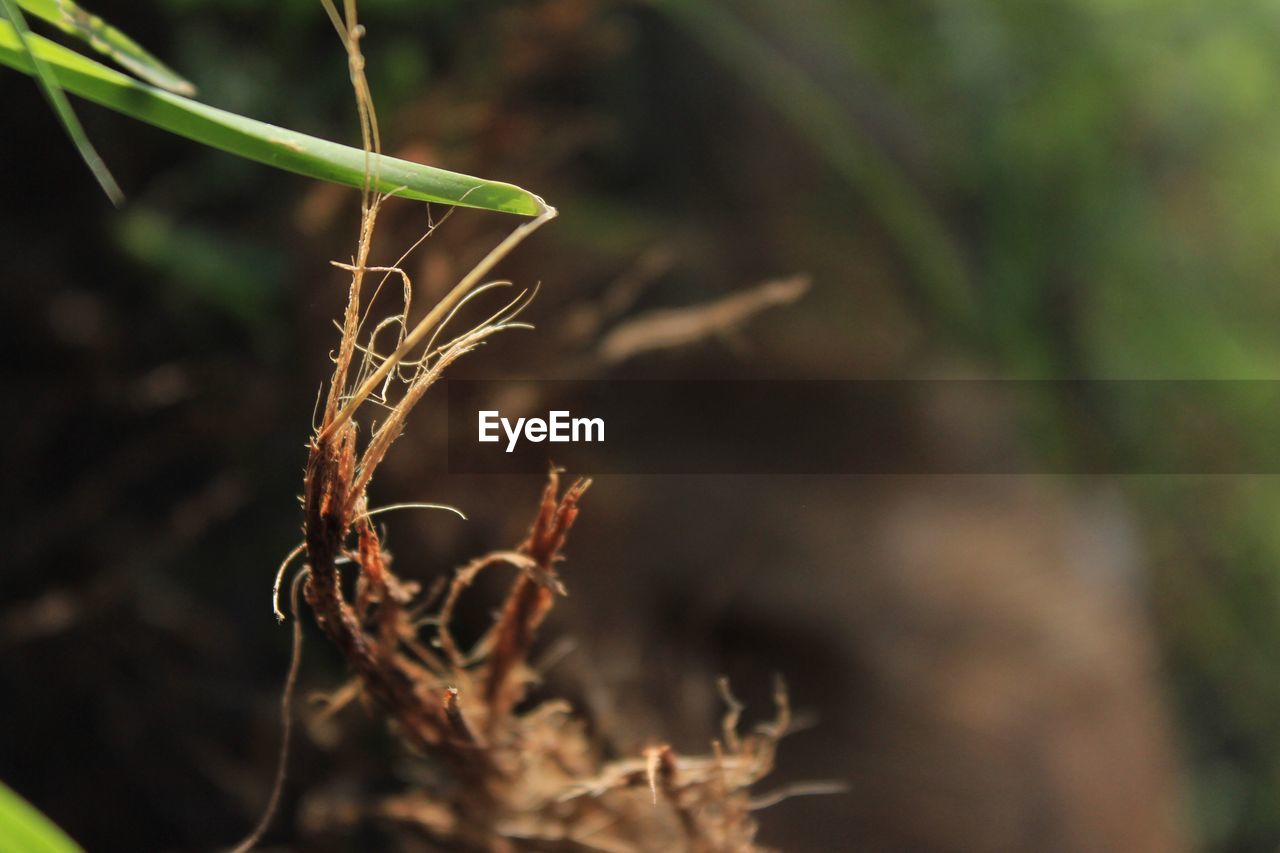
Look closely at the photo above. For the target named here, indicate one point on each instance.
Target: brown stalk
(518, 779)
(533, 593)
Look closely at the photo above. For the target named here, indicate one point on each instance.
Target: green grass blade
(24, 828)
(256, 140)
(49, 84)
(107, 40)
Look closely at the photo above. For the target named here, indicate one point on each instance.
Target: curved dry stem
(731, 716)
(432, 225)
(390, 429)
(420, 363)
(286, 720)
(280, 572)
(401, 319)
(424, 326)
(462, 579)
(431, 348)
(415, 505)
(821, 787)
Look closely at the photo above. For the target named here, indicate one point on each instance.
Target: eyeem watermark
(866, 427)
(558, 427)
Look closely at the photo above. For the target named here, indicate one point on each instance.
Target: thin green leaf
(256, 140)
(106, 39)
(17, 26)
(22, 827)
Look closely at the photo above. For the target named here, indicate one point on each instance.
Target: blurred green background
(1065, 189)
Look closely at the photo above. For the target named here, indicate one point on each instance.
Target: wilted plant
(515, 777)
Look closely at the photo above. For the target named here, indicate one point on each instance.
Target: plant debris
(511, 777)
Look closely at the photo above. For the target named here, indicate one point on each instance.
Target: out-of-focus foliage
(109, 41)
(1104, 163)
(1110, 169)
(24, 828)
(22, 46)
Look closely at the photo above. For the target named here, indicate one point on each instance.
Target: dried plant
(521, 778)
(514, 777)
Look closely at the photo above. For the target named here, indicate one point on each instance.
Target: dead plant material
(511, 777)
(517, 778)
(286, 729)
(669, 328)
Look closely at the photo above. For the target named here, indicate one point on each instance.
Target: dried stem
(516, 778)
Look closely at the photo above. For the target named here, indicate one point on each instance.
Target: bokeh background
(1065, 189)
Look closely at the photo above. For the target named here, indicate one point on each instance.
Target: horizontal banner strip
(865, 427)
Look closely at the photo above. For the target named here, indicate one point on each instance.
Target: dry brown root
(517, 779)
